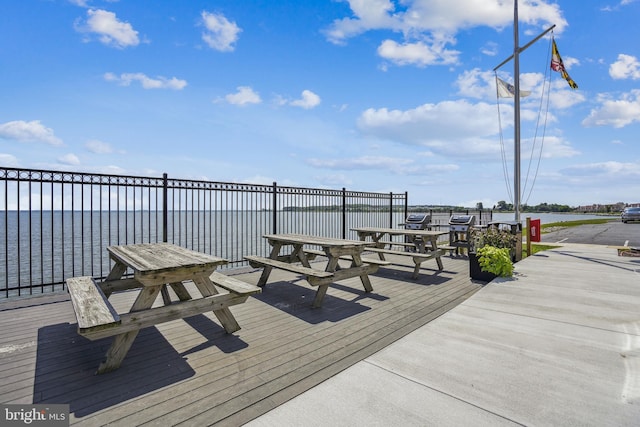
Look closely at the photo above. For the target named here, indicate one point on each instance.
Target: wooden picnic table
(154, 266)
(423, 242)
(333, 249)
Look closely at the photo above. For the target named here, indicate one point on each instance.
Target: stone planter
(475, 272)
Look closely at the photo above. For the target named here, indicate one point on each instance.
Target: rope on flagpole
(505, 169)
(547, 75)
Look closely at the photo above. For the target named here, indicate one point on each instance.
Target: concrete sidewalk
(558, 344)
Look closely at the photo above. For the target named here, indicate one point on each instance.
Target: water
(45, 247)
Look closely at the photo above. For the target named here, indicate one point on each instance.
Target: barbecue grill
(417, 222)
(459, 229)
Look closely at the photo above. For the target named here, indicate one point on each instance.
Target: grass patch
(577, 223)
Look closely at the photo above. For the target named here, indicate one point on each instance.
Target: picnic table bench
(422, 247)
(154, 266)
(333, 249)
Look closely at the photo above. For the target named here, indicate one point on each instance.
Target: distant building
(598, 208)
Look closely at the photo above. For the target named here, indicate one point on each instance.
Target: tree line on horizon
(542, 207)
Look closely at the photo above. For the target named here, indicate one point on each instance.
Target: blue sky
(371, 95)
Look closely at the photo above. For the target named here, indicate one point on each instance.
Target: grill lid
(462, 219)
(419, 218)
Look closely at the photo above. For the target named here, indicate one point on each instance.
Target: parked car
(630, 214)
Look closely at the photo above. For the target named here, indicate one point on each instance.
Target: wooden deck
(191, 372)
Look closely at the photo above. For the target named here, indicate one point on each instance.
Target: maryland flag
(557, 65)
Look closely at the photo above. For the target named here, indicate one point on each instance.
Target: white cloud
(554, 148)
(562, 96)
(616, 112)
(419, 53)
(366, 162)
(372, 14)
(395, 165)
(8, 160)
(220, 34)
(490, 49)
(456, 129)
(109, 29)
(626, 67)
(480, 84)
(447, 120)
(81, 3)
(334, 180)
(159, 82)
(611, 169)
(98, 147)
(69, 159)
(427, 27)
(477, 84)
(309, 100)
(32, 131)
(245, 95)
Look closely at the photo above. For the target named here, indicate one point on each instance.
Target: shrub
(495, 260)
(492, 236)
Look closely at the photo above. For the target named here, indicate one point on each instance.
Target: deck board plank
(198, 374)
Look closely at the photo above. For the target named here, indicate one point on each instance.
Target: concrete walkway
(556, 345)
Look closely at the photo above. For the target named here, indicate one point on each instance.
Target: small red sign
(534, 230)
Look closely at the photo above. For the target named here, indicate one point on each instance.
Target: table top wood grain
(313, 240)
(154, 258)
(399, 231)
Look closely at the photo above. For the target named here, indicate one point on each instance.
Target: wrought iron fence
(58, 224)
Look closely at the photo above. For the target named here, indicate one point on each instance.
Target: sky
(367, 95)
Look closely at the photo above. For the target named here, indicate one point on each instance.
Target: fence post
(165, 207)
(406, 205)
(391, 210)
(274, 225)
(344, 213)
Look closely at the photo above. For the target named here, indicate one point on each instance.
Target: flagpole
(516, 114)
(516, 104)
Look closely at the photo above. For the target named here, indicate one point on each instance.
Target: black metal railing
(58, 224)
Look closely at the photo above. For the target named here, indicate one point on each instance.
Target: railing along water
(58, 224)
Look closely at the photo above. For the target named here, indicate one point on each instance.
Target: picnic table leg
(364, 278)
(266, 271)
(434, 247)
(298, 252)
(117, 352)
(224, 315)
(416, 269)
(180, 290)
(331, 267)
(122, 343)
(116, 273)
(375, 237)
(165, 295)
(320, 293)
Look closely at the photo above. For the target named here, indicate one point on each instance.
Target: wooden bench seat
(316, 252)
(93, 310)
(233, 285)
(392, 243)
(417, 257)
(314, 277)
(98, 319)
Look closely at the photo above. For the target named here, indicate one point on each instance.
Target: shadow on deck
(190, 371)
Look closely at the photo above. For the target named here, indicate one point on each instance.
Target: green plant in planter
(495, 250)
(495, 260)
